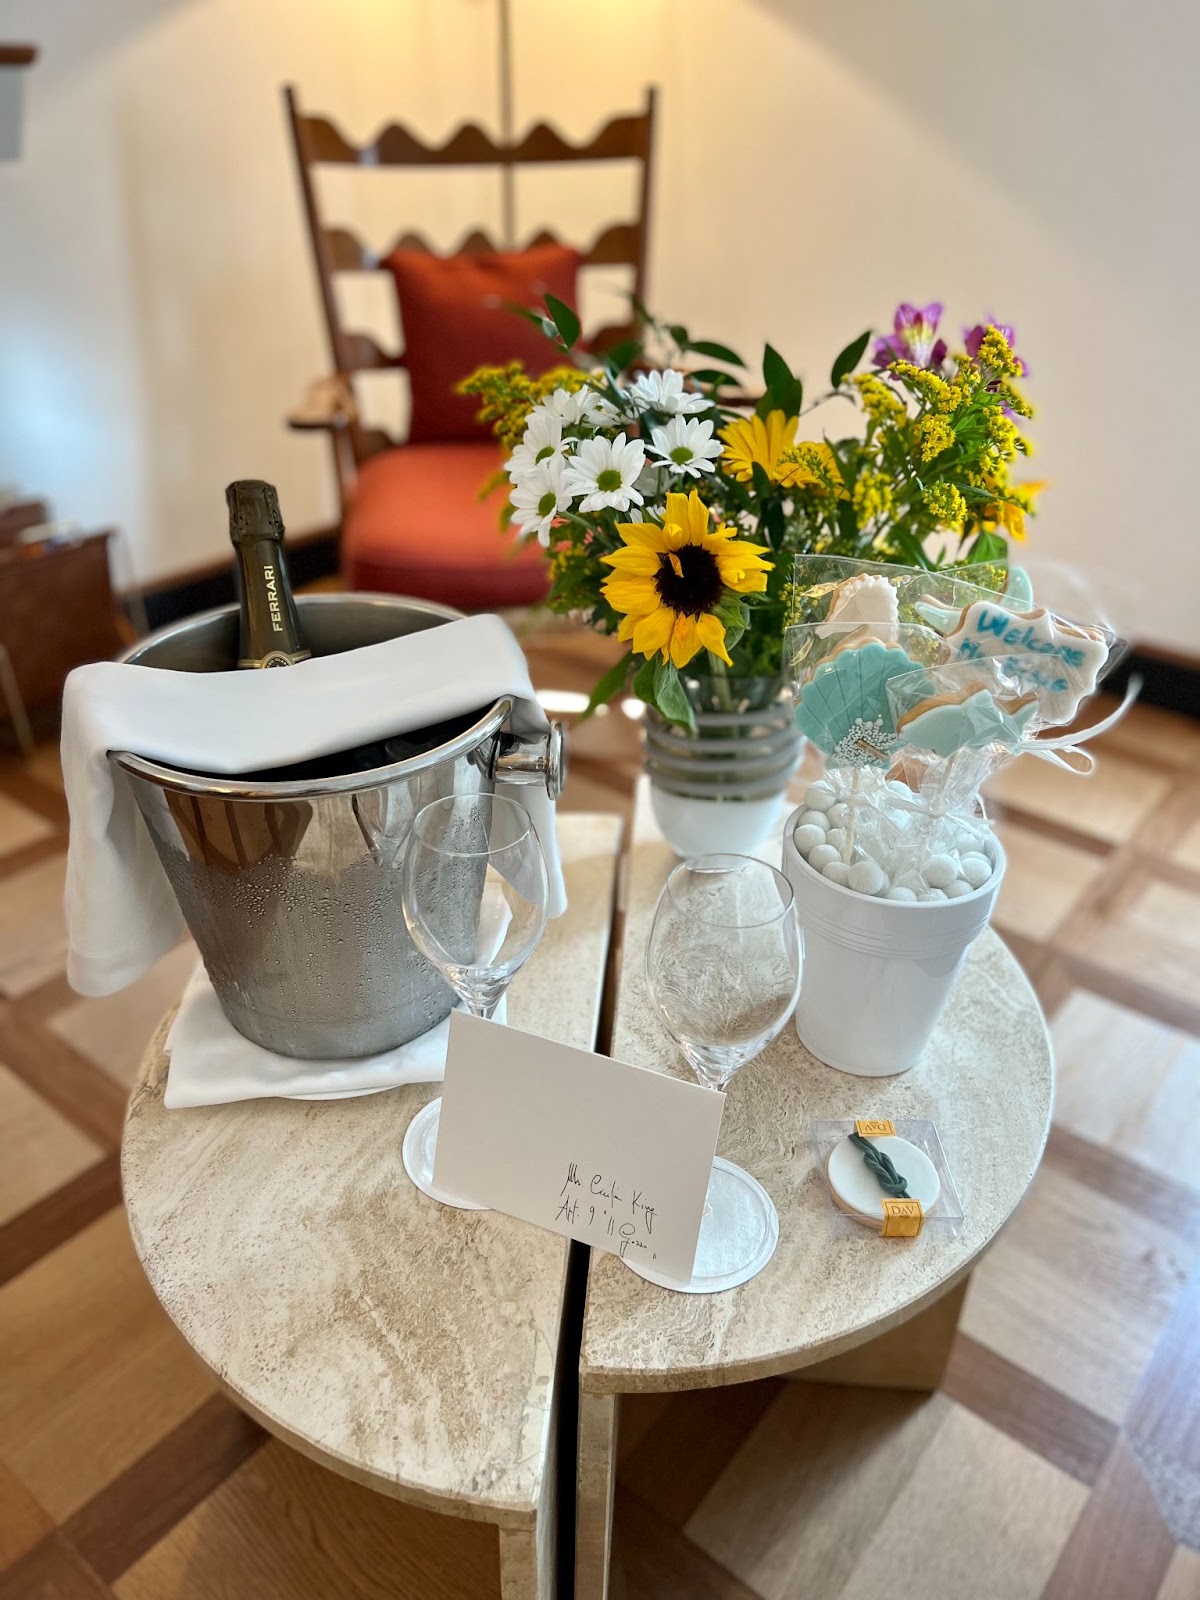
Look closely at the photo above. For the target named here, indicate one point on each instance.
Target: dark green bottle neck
(270, 633)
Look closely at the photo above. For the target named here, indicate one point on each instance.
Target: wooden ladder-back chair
(412, 520)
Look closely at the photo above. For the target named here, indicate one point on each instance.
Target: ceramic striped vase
(723, 786)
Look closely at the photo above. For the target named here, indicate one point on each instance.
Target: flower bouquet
(671, 505)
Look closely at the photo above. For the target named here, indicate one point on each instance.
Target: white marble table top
(406, 1345)
(986, 1081)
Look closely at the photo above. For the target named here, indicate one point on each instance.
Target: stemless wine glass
(723, 966)
(474, 897)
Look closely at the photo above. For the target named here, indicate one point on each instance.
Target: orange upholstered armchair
(412, 519)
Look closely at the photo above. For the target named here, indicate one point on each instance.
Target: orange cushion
(454, 319)
(417, 526)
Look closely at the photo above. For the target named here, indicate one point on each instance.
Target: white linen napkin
(211, 1064)
(121, 912)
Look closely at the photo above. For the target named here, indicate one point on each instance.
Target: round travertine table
(856, 1309)
(400, 1343)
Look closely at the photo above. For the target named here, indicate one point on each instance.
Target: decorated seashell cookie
(968, 720)
(1059, 660)
(843, 708)
(867, 601)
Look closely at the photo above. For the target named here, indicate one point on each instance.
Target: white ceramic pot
(877, 972)
(715, 827)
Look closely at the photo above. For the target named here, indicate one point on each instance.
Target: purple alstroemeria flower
(973, 338)
(914, 338)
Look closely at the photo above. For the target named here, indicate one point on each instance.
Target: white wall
(817, 162)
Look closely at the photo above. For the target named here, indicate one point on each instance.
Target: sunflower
(668, 582)
(753, 441)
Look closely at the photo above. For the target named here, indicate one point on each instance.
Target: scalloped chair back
(412, 520)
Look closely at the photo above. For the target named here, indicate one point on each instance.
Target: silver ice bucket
(291, 889)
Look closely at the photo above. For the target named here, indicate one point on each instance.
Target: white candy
(813, 819)
(899, 892)
(821, 855)
(932, 894)
(836, 872)
(806, 839)
(976, 869)
(867, 878)
(818, 796)
(837, 814)
(938, 871)
(956, 890)
(837, 838)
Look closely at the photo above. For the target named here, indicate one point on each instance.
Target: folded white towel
(211, 1064)
(121, 912)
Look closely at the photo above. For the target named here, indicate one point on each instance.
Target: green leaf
(539, 319)
(847, 521)
(669, 695)
(735, 615)
(988, 547)
(644, 679)
(777, 375)
(718, 352)
(730, 609)
(565, 320)
(622, 355)
(911, 548)
(765, 405)
(712, 375)
(785, 392)
(679, 333)
(763, 487)
(849, 359)
(609, 685)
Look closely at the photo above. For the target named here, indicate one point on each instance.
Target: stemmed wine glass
(723, 967)
(473, 891)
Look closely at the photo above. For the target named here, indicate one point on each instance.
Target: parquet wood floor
(1061, 1457)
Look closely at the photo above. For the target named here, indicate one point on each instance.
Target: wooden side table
(56, 612)
(850, 1310)
(408, 1346)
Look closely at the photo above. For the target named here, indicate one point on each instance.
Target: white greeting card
(613, 1155)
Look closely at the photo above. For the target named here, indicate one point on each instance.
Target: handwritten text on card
(616, 1156)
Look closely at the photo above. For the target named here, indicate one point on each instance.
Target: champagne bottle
(270, 633)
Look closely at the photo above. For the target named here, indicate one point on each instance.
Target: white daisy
(605, 472)
(542, 439)
(569, 405)
(686, 446)
(539, 494)
(664, 391)
(600, 411)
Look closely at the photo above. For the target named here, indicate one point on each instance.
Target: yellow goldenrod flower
(508, 394)
(996, 356)
(879, 400)
(1002, 433)
(1014, 400)
(946, 503)
(936, 435)
(667, 582)
(872, 496)
(935, 391)
(812, 465)
(751, 441)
